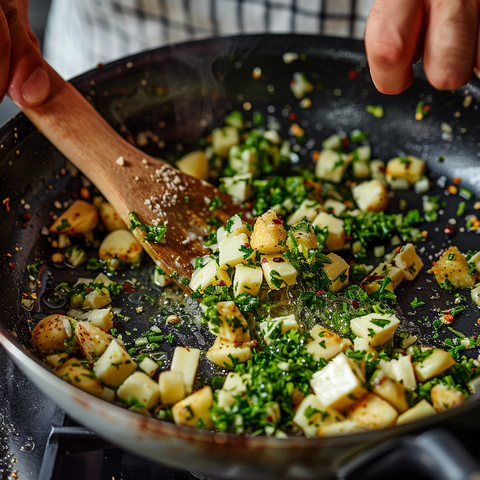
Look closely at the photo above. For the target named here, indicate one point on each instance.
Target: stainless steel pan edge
(211, 454)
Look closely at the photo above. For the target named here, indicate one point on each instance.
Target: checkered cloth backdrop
(82, 33)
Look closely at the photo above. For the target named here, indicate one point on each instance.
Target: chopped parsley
(154, 233)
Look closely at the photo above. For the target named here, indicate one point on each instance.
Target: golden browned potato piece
(109, 216)
(445, 397)
(50, 334)
(451, 270)
(80, 218)
(269, 235)
(92, 340)
(75, 373)
(121, 244)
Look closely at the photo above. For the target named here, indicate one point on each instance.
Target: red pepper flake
(249, 205)
(247, 245)
(6, 202)
(355, 304)
(278, 260)
(352, 74)
(448, 317)
(320, 292)
(315, 155)
(426, 108)
(27, 216)
(264, 260)
(12, 264)
(222, 283)
(292, 117)
(74, 195)
(345, 142)
(277, 221)
(99, 65)
(449, 230)
(473, 369)
(269, 418)
(456, 180)
(348, 237)
(89, 289)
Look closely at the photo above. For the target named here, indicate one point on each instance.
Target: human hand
(444, 32)
(23, 73)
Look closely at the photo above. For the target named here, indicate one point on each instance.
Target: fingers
(28, 82)
(451, 43)
(391, 37)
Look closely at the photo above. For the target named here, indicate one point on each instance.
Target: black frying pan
(180, 94)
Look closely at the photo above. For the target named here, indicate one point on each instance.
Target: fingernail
(37, 86)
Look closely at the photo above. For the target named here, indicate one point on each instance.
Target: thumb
(29, 84)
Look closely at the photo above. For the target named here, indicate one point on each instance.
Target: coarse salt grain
(120, 161)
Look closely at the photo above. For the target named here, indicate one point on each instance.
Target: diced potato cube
(340, 428)
(139, 388)
(80, 218)
(171, 386)
(148, 366)
(230, 325)
(400, 370)
(445, 397)
(221, 351)
(374, 281)
(325, 343)
(223, 139)
(109, 216)
(337, 272)
(336, 232)
(56, 359)
(114, 366)
(410, 169)
(421, 410)
(194, 411)
(451, 270)
(375, 328)
(92, 340)
(123, 245)
(390, 390)
(308, 209)
(437, 362)
(236, 383)
(50, 334)
(311, 414)
(300, 86)
(361, 169)
(302, 241)
(230, 253)
(225, 399)
(362, 345)
(476, 261)
(339, 384)
(76, 301)
(247, 279)
(377, 169)
(235, 226)
(333, 142)
(108, 395)
(331, 166)
(274, 327)
(195, 164)
(75, 373)
(210, 274)
(239, 186)
(334, 206)
(372, 412)
(269, 234)
(242, 160)
(371, 196)
(408, 261)
(185, 360)
(97, 298)
(101, 318)
(278, 271)
(160, 279)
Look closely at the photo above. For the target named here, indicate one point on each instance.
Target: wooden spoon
(158, 193)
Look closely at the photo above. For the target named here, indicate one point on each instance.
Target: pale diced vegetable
(278, 271)
(274, 327)
(75, 373)
(223, 139)
(408, 261)
(375, 328)
(445, 397)
(390, 390)
(436, 363)
(101, 318)
(476, 261)
(338, 384)
(474, 384)
(325, 343)
(236, 383)
(400, 370)
(421, 410)
(235, 226)
(371, 196)
(50, 334)
(80, 218)
(122, 245)
(334, 206)
(109, 216)
(300, 86)
(231, 253)
(331, 166)
(362, 345)
(97, 298)
(210, 274)
(374, 281)
(185, 360)
(92, 340)
(194, 411)
(308, 209)
(337, 272)
(221, 352)
(372, 412)
(336, 231)
(333, 142)
(409, 169)
(377, 169)
(148, 366)
(311, 414)
(340, 428)
(475, 294)
(451, 270)
(171, 386)
(114, 366)
(239, 186)
(195, 164)
(56, 359)
(230, 325)
(247, 279)
(242, 160)
(269, 234)
(139, 390)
